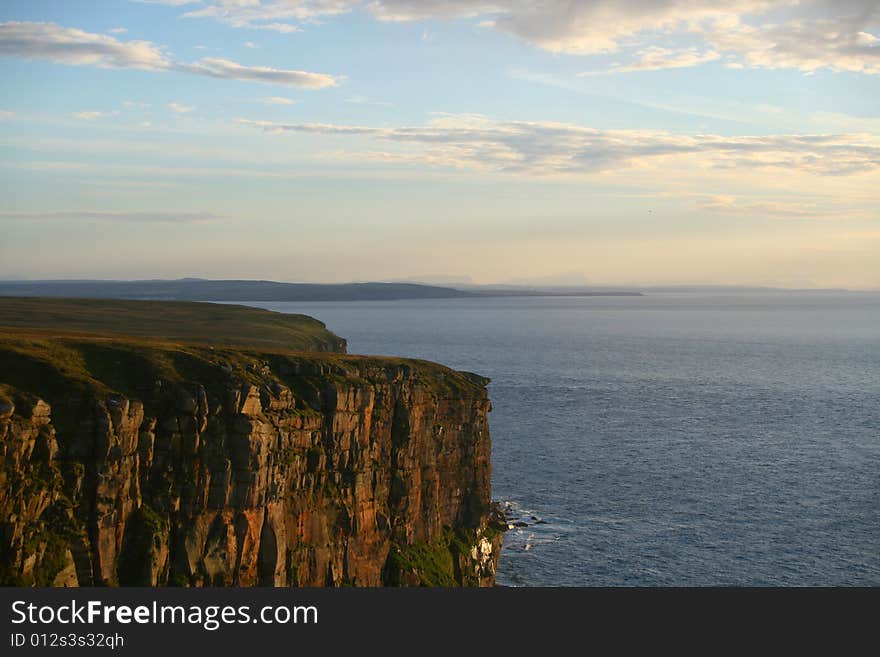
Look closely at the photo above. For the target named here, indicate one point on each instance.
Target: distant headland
(197, 289)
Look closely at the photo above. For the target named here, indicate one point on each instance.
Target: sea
(672, 439)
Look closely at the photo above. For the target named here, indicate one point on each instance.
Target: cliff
(127, 462)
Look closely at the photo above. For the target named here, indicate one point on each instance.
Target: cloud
(46, 165)
(575, 26)
(224, 68)
(76, 47)
(90, 116)
(64, 45)
(177, 108)
(845, 122)
(175, 3)
(117, 30)
(838, 35)
(270, 14)
(547, 148)
(811, 45)
(6, 114)
(124, 216)
(250, 44)
(655, 58)
(289, 15)
(774, 209)
(413, 10)
(284, 28)
(278, 100)
(366, 100)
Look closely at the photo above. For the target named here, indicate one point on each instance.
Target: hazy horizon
(732, 143)
(465, 283)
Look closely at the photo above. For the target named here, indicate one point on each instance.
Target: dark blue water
(671, 439)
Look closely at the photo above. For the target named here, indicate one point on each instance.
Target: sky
(732, 142)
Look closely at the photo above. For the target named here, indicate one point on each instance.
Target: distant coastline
(194, 289)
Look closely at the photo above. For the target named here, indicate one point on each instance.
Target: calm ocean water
(670, 439)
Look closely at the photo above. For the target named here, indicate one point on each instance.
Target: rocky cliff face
(219, 468)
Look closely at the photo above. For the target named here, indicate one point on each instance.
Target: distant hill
(166, 321)
(189, 289)
(193, 289)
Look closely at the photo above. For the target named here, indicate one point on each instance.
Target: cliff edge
(133, 462)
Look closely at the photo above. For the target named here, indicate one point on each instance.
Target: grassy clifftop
(55, 367)
(54, 347)
(168, 321)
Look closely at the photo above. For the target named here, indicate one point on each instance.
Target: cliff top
(170, 321)
(52, 348)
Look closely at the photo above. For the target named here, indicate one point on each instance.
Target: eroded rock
(309, 474)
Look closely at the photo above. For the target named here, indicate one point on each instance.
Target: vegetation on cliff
(167, 321)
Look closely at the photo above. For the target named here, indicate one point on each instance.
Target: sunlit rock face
(267, 470)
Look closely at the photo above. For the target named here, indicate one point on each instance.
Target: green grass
(170, 321)
(433, 563)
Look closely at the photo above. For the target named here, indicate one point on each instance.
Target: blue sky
(733, 142)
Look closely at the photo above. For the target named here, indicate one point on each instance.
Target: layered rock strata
(230, 468)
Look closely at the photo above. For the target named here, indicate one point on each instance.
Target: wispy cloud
(223, 68)
(656, 58)
(284, 28)
(178, 108)
(547, 148)
(279, 100)
(6, 114)
(92, 115)
(121, 216)
(776, 209)
(76, 47)
(173, 3)
(44, 165)
(276, 15)
(117, 30)
(412, 10)
(366, 100)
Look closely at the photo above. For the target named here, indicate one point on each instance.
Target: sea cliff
(126, 462)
